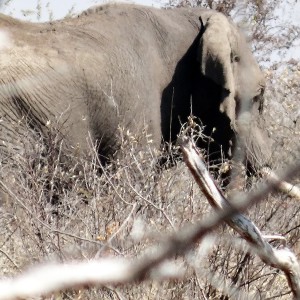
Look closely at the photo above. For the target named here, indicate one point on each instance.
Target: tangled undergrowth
(57, 207)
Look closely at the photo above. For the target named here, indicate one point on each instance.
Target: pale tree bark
(283, 259)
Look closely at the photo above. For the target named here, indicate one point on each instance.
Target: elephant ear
(215, 57)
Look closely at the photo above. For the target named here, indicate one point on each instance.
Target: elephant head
(225, 85)
(225, 58)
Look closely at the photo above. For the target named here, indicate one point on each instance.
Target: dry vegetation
(57, 208)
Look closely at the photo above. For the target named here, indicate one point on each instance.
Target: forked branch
(283, 259)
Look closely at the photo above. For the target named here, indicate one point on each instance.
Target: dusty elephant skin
(128, 65)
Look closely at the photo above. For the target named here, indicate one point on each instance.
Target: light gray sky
(59, 8)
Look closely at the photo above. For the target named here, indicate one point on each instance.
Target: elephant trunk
(255, 142)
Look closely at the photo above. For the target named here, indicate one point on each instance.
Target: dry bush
(60, 208)
(282, 111)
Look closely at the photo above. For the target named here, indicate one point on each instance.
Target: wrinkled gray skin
(128, 65)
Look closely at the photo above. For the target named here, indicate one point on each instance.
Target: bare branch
(282, 259)
(49, 278)
(283, 186)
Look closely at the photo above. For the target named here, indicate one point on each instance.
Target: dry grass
(57, 208)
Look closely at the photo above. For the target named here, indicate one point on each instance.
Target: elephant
(129, 65)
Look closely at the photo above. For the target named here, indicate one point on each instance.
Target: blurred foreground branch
(47, 279)
(281, 185)
(282, 259)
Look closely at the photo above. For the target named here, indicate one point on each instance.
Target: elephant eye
(236, 58)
